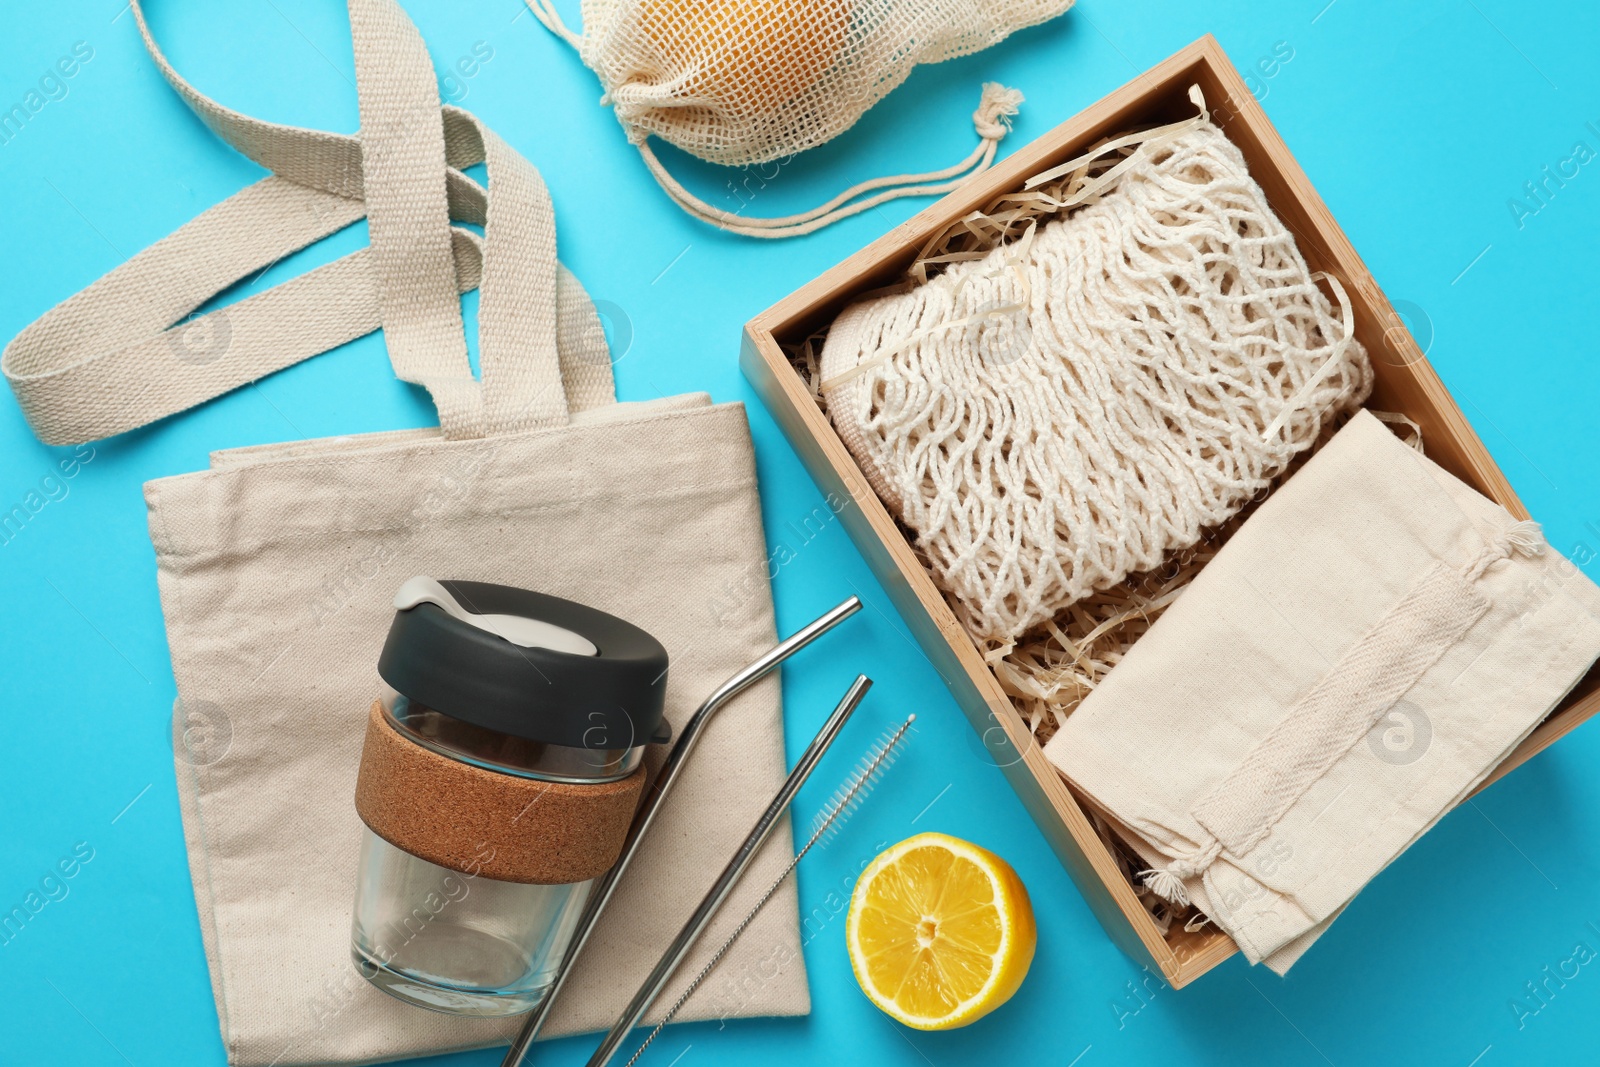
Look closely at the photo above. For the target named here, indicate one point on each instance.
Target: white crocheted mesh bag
(742, 82)
(1068, 408)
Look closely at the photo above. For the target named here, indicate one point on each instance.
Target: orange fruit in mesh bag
(748, 57)
(940, 932)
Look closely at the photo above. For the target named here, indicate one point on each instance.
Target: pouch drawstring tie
(991, 121)
(1167, 881)
(1525, 538)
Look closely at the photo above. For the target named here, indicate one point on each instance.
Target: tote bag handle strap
(120, 354)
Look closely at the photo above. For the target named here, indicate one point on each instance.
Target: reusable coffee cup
(502, 767)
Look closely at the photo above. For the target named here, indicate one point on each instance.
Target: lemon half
(940, 931)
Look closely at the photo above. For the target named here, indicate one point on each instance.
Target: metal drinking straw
(662, 974)
(664, 781)
(844, 802)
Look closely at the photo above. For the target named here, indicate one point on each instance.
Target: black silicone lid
(611, 700)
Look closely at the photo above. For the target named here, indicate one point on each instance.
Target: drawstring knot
(996, 107)
(1523, 538)
(1167, 880)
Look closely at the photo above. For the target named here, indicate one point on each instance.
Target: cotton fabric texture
(1076, 404)
(276, 575)
(1358, 656)
(746, 82)
(278, 565)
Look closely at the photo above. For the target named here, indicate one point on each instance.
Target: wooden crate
(1405, 383)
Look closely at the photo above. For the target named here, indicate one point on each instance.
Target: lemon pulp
(940, 932)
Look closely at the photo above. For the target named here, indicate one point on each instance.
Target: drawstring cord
(992, 121)
(545, 12)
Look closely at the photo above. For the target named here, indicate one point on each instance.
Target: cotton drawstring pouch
(277, 566)
(747, 82)
(1367, 647)
(1134, 349)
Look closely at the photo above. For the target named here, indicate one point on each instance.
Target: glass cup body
(454, 941)
(458, 941)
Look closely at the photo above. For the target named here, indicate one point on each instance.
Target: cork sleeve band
(455, 814)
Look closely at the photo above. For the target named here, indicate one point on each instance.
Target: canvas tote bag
(278, 564)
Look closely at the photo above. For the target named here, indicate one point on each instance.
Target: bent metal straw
(668, 964)
(665, 780)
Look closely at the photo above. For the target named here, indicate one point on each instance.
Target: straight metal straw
(658, 979)
(664, 781)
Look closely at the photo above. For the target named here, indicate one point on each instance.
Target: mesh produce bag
(1074, 404)
(741, 82)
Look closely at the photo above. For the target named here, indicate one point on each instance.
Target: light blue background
(1418, 122)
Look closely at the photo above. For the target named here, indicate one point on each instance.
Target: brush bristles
(848, 797)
